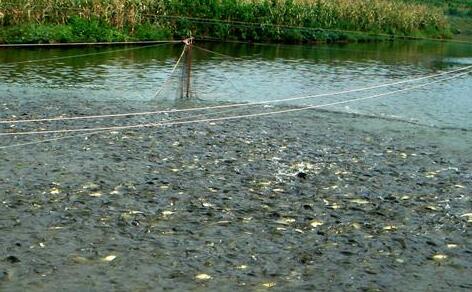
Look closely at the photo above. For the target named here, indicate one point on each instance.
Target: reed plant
(261, 20)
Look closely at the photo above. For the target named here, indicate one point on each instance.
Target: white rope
(231, 105)
(99, 132)
(92, 133)
(90, 54)
(218, 54)
(171, 73)
(227, 118)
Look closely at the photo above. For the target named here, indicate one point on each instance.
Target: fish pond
(296, 188)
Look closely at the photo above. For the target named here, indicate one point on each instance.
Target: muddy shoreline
(313, 200)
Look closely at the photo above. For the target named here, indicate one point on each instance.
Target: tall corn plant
(367, 15)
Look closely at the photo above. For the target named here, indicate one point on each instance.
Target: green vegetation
(78, 29)
(462, 27)
(459, 15)
(451, 7)
(41, 21)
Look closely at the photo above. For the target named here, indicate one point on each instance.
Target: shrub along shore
(290, 21)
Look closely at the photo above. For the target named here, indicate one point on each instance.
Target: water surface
(255, 73)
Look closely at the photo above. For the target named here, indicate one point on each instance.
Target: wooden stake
(188, 82)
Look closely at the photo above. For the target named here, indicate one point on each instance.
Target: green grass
(297, 21)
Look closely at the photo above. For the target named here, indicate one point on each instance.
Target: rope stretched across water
(231, 105)
(91, 54)
(172, 120)
(229, 117)
(98, 132)
(216, 53)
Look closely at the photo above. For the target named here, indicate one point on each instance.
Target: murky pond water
(371, 195)
(262, 72)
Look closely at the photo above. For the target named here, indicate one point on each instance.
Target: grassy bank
(41, 21)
